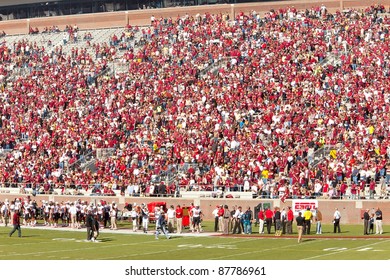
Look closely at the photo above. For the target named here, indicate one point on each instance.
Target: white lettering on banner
(300, 205)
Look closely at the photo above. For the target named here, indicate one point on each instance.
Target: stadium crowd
(238, 103)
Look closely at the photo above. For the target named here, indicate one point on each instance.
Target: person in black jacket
(300, 222)
(89, 223)
(95, 227)
(366, 220)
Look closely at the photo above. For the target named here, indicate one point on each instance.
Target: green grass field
(43, 244)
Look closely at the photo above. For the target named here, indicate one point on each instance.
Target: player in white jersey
(145, 218)
(134, 217)
(46, 212)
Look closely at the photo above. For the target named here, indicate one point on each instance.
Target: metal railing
(118, 67)
(194, 190)
(218, 64)
(319, 155)
(103, 153)
(81, 163)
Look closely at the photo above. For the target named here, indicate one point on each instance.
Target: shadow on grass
(102, 240)
(28, 236)
(307, 240)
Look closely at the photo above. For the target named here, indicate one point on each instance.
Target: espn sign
(300, 205)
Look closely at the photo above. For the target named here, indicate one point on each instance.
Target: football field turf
(60, 244)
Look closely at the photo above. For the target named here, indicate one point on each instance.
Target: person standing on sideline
(284, 220)
(248, 217)
(308, 216)
(171, 213)
(89, 223)
(190, 212)
(278, 221)
(216, 218)
(268, 219)
(366, 221)
(220, 218)
(145, 218)
(261, 217)
(226, 219)
(16, 223)
(237, 220)
(318, 218)
(95, 227)
(378, 221)
(290, 220)
(5, 213)
(196, 218)
(232, 221)
(134, 218)
(300, 222)
(336, 221)
(179, 219)
(372, 221)
(113, 214)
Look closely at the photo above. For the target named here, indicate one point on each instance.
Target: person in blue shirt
(161, 226)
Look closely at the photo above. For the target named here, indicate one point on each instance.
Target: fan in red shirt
(179, 219)
(268, 219)
(290, 220)
(16, 224)
(261, 216)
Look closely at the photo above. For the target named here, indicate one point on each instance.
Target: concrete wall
(350, 209)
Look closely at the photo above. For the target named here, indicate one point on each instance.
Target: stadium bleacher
(243, 103)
